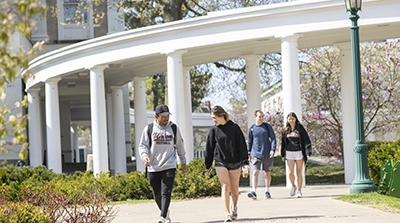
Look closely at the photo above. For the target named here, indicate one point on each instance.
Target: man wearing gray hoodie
(159, 150)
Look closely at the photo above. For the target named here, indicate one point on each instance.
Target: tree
(16, 16)
(380, 65)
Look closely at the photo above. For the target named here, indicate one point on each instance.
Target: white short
(294, 155)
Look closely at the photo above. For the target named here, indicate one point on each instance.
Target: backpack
(150, 130)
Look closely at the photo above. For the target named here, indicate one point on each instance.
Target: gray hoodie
(162, 154)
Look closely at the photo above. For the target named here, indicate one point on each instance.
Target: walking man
(159, 146)
(261, 150)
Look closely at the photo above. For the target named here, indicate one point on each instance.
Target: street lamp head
(353, 5)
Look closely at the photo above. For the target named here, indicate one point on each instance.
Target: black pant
(161, 184)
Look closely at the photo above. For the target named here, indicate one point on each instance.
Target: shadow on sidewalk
(289, 218)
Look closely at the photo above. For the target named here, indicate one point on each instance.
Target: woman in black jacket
(296, 149)
(227, 147)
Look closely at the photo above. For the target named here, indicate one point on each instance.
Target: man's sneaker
(293, 191)
(234, 213)
(299, 195)
(228, 218)
(252, 195)
(267, 194)
(162, 220)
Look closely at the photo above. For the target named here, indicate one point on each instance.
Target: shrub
(134, 185)
(378, 155)
(195, 183)
(21, 212)
(89, 205)
(13, 179)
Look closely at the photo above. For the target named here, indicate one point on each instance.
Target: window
(75, 21)
(75, 12)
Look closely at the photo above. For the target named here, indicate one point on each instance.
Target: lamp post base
(362, 186)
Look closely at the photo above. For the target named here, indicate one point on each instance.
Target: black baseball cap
(162, 110)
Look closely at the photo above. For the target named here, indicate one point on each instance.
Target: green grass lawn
(374, 200)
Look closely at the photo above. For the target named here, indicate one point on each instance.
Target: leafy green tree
(16, 16)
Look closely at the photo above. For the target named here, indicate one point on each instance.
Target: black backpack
(150, 130)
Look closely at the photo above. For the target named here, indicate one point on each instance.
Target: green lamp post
(362, 183)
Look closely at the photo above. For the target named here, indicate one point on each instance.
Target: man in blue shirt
(261, 149)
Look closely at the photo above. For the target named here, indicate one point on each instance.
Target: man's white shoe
(162, 220)
(168, 218)
(299, 195)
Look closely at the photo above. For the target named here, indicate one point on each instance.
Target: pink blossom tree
(320, 75)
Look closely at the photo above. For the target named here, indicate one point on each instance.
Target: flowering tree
(239, 115)
(380, 65)
(275, 119)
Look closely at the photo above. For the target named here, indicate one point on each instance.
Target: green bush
(13, 179)
(378, 155)
(18, 212)
(195, 183)
(134, 186)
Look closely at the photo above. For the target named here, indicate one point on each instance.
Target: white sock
(267, 189)
(254, 189)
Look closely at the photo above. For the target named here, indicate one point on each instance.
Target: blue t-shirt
(261, 140)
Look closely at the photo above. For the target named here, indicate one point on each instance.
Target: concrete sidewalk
(316, 205)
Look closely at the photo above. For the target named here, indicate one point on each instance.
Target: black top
(226, 144)
(289, 142)
(293, 141)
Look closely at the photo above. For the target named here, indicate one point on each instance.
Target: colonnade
(179, 101)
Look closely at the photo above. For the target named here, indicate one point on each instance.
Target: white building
(85, 81)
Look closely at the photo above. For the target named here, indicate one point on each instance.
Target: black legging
(161, 184)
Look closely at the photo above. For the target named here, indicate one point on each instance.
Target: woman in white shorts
(296, 149)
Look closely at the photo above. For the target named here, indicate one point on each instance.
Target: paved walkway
(316, 205)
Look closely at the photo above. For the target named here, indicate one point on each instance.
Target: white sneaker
(293, 191)
(299, 195)
(234, 213)
(162, 220)
(168, 218)
(228, 218)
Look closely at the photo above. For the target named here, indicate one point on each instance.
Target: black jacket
(226, 144)
(305, 143)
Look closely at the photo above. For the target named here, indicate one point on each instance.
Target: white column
(119, 129)
(53, 126)
(253, 95)
(176, 87)
(140, 116)
(35, 128)
(253, 89)
(65, 128)
(110, 128)
(127, 124)
(98, 118)
(348, 119)
(40, 30)
(290, 76)
(187, 130)
(75, 142)
(291, 84)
